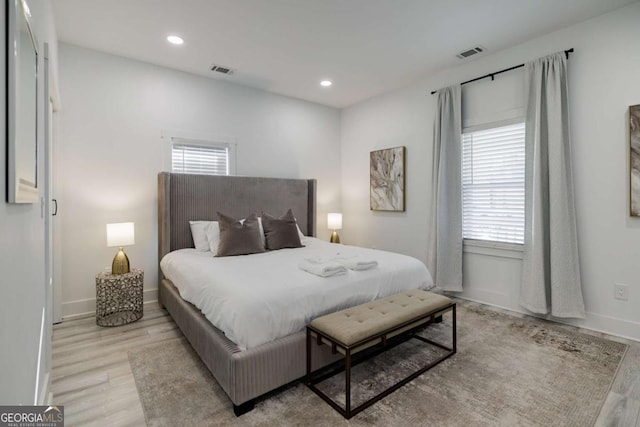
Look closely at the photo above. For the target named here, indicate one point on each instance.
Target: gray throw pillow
(281, 232)
(238, 238)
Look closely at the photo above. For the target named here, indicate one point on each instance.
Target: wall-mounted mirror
(22, 105)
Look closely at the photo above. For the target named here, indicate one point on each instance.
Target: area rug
(509, 371)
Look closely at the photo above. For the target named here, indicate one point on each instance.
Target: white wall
(24, 296)
(603, 74)
(114, 112)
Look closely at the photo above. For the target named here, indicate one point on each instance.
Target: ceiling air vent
(470, 52)
(222, 70)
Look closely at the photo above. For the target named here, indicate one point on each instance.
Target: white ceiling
(366, 47)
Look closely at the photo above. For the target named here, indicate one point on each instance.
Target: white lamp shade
(120, 234)
(334, 221)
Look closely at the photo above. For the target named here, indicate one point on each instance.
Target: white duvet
(255, 299)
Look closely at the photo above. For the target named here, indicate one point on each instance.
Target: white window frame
(488, 247)
(177, 137)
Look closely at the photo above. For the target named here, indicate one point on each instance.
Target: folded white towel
(322, 269)
(356, 263)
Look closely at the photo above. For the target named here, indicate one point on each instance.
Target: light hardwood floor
(622, 407)
(91, 373)
(92, 377)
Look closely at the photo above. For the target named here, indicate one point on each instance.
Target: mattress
(255, 299)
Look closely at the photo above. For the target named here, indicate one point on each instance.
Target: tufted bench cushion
(357, 328)
(355, 324)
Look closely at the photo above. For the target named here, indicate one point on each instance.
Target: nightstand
(119, 298)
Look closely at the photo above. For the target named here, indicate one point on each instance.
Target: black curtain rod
(492, 75)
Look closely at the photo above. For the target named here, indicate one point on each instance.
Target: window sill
(496, 249)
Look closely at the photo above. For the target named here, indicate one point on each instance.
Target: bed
(257, 360)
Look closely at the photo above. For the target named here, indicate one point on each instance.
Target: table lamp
(120, 234)
(334, 221)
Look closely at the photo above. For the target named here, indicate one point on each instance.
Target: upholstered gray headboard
(183, 198)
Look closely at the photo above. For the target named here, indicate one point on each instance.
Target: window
(200, 156)
(493, 184)
(199, 159)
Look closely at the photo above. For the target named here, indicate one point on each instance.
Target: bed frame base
(244, 375)
(242, 409)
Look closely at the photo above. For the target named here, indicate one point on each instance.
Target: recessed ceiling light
(326, 83)
(175, 40)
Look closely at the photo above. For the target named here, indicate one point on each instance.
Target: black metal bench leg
(244, 408)
(308, 377)
(347, 383)
(454, 331)
(437, 319)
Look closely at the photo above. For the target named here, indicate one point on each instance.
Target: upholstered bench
(382, 323)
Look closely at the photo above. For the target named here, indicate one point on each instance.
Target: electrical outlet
(621, 291)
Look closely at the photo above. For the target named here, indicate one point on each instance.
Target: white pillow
(213, 235)
(199, 230)
(300, 234)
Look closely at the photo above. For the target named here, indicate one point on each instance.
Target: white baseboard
(485, 296)
(87, 307)
(622, 328)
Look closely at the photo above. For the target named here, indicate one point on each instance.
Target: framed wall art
(387, 179)
(22, 102)
(634, 144)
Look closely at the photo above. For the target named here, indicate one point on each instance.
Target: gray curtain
(550, 269)
(445, 251)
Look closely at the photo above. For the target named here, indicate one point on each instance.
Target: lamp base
(120, 264)
(334, 237)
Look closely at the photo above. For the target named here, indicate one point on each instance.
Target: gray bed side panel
(243, 375)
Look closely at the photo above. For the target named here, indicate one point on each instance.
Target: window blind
(493, 184)
(197, 159)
